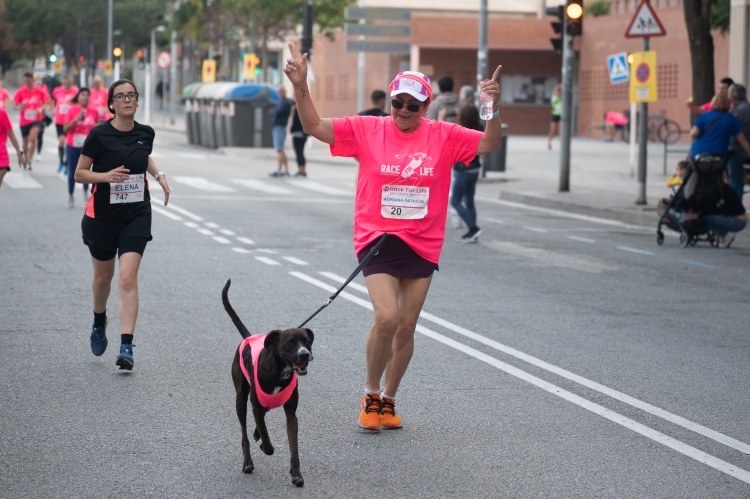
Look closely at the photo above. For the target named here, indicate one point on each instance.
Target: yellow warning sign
(59, 65)
(209, 71)
(643, 77)
(107, 68)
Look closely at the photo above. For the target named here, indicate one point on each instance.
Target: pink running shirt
(256, 344)
(5, 126)
(98, 100)
(404, 178)
(4, 97)
(77, 135)
(62, 102)
(34, 99)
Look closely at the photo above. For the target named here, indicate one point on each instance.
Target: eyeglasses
(129, 96)
(412, 108)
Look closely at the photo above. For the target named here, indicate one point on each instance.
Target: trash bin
(191, 112)
(207, 96)
(247, 118)
(495, 160)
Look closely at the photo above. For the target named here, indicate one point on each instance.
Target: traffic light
(117, 52)
(258, 65)
(141, 59)
(52, 58)
(557, 26)
(81, 59)
(574, 17)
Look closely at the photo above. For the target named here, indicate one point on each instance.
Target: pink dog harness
(256, 344)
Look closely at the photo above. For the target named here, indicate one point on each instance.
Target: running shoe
(388, 418)
(284, 174)
(300, 174)
(472, 236)
(98, 340)
(726, 241)
(60, 168)
(275, 174)
(71, 202)
(369, 416)
(38, 157)
(125, 359)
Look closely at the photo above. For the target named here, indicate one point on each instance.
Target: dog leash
(372, 253)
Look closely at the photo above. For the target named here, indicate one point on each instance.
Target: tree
(698, 23)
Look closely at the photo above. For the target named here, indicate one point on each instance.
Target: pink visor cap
(413, 83)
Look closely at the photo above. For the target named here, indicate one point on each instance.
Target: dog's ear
(272, 338)
(310, 334)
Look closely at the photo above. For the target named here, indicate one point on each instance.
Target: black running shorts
(396, 258)
(106, 239)
(26, 129)
(59, 128)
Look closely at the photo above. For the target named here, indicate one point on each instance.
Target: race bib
(78, 139)
(64, 108)
(405, 202)
(127, 191)
(30, 114)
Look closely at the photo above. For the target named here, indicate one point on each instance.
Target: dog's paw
(298, 481)
(256, 434)
(269, 451)
(248, 468)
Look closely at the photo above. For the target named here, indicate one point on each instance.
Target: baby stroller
(701, 188)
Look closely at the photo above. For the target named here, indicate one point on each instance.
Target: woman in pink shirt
(4, 96)
(63, 95)
(405, 163)
(80, 118)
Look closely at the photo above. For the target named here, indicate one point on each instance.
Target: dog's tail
(232, 314)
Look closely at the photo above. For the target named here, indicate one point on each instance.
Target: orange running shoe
(369, 417)
(388, 418)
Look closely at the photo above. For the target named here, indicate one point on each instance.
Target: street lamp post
(109, 31)
(151, 73)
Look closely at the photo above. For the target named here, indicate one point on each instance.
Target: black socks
(126, 339)
(100, 320)
(61, 154)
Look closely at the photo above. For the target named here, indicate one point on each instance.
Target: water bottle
(485, 106)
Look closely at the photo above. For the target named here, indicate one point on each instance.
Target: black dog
(283, 354)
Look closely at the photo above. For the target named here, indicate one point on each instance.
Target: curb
(646, 219)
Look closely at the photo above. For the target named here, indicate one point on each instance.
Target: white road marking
(644, 406)
(205, 232)
(166, 213)
(635, 250)
(266, 260)
(295, 261)
(222, 240)
(314, 186)
(537, 229)
(203, 184)
(21, 180)
(269, 251)
(245, 240)
(183, 211)
(261, 186)
(192, 225)
(494, 220)
(641, 429)
(211, 225)
(241, 250)
(226, 232)
(699, 264)
(582, 239)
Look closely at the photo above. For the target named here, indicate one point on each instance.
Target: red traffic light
(81, 59)
(139, 53)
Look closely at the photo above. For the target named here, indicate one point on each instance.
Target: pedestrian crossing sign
(618, 68)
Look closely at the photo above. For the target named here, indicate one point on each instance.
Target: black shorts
(556, 119)
(26, 129)
(59, 129)
(396, 258)
(106, 239)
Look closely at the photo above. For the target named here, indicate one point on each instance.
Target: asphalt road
(562, 356)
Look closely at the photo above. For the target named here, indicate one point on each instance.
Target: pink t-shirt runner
(62, 102)
(77, 135)
(5, 126)
(34, 99)
(98, 100)
(404, 178)
(4, 97)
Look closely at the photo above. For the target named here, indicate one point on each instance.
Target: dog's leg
(290, 408)
(260, 426)
(242, 389)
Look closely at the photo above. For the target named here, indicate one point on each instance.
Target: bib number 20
(395, 211)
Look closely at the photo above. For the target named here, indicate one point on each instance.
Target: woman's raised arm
(296, 71)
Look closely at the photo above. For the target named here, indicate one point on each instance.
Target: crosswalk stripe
(314, 186)
(245, 240)
(266, 260)
(166, 213)
(21, 181)
(294, 260)
(222, 240)
(202, 184)
(241, 250)
(261, 186)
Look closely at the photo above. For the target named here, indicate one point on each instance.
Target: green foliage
(720, 15)
(597, 8)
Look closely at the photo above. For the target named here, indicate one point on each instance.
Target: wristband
(158, 174)
(496, 113)
(20, 153)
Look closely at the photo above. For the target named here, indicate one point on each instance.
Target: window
(527, 90)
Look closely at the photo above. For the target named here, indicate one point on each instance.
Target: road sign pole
(642, 145)
(147, 84)
(482, 51)
(173, 77)
(633, 128)
(116, 72)
(567, 111)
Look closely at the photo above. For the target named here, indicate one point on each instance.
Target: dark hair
(738, 91)
(727, 81)
(376, 96)
(74, 100)
(28, 74)
(111, 93)
(445, 84)
(468, 117)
